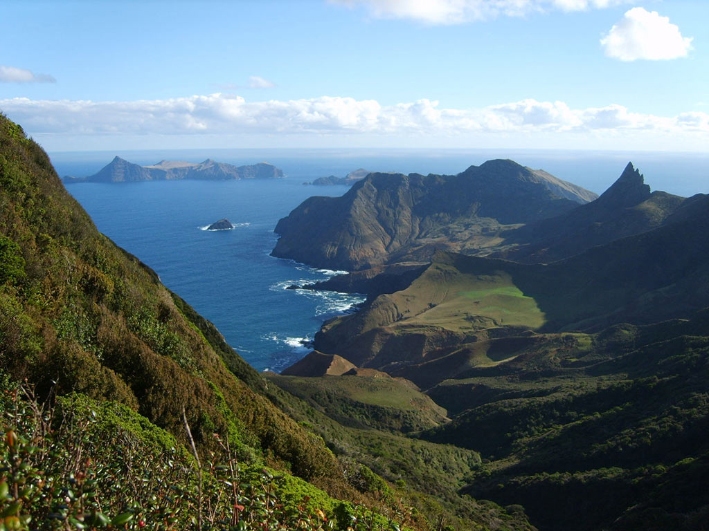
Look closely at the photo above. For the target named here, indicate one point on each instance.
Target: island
(222, 224)
(120, 170)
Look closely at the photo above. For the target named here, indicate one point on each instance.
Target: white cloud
(10, 74)
(533, 113)
(646, 35)
(462, 11)
(221, 114)
(259, 82)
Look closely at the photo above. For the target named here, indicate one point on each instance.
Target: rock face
(222, 224)
(386, 217)
(120, 170)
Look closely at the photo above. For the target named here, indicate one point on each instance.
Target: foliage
(592, 437)
(90, 465)
(78, 314)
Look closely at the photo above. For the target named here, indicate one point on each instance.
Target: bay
(229, 276)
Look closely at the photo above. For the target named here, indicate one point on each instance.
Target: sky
(519, 74)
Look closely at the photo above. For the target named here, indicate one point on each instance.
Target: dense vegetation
(124, 408)
(78, 314)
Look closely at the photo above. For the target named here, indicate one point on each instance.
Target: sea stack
(222, 224)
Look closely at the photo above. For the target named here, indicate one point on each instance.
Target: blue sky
(576, 74)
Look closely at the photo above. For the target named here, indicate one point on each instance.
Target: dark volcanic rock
(222, 224)
(371, 282)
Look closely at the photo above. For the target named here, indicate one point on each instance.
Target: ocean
(229, 276)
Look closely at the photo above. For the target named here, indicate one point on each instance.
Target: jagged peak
(631, 174)
(118, 159)
(629, 190)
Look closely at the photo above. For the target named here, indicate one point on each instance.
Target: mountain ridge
(386, 217)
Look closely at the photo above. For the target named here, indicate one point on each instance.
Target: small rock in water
(222, 224)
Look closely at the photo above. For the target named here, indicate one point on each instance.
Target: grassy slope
(78, 314)
(458, 300)
(427, 475)
(367, 402)
(79, 311)
(605, 421)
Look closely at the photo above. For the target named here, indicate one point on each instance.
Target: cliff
(392, 217)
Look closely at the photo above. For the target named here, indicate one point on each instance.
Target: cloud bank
(463, 11)
(10, 74)
(645, 35)
(230, 114)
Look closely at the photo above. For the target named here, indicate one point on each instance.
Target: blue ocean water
(229, 277)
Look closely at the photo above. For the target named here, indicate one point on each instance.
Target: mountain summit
(629, 190)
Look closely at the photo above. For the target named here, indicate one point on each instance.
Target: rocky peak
(629, 190)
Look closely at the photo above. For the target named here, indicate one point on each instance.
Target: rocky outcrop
(222, 224)
(120, 170)
(319, 364)
(371, 282)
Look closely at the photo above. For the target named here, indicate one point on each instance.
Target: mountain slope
(79, 314)
(593, 432)
(387, 217)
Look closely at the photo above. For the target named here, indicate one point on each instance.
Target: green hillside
(78, 314)
(583, 383)
(612, 421)
(122, 408)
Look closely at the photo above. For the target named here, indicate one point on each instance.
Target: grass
(367, 402)
(451, 299)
